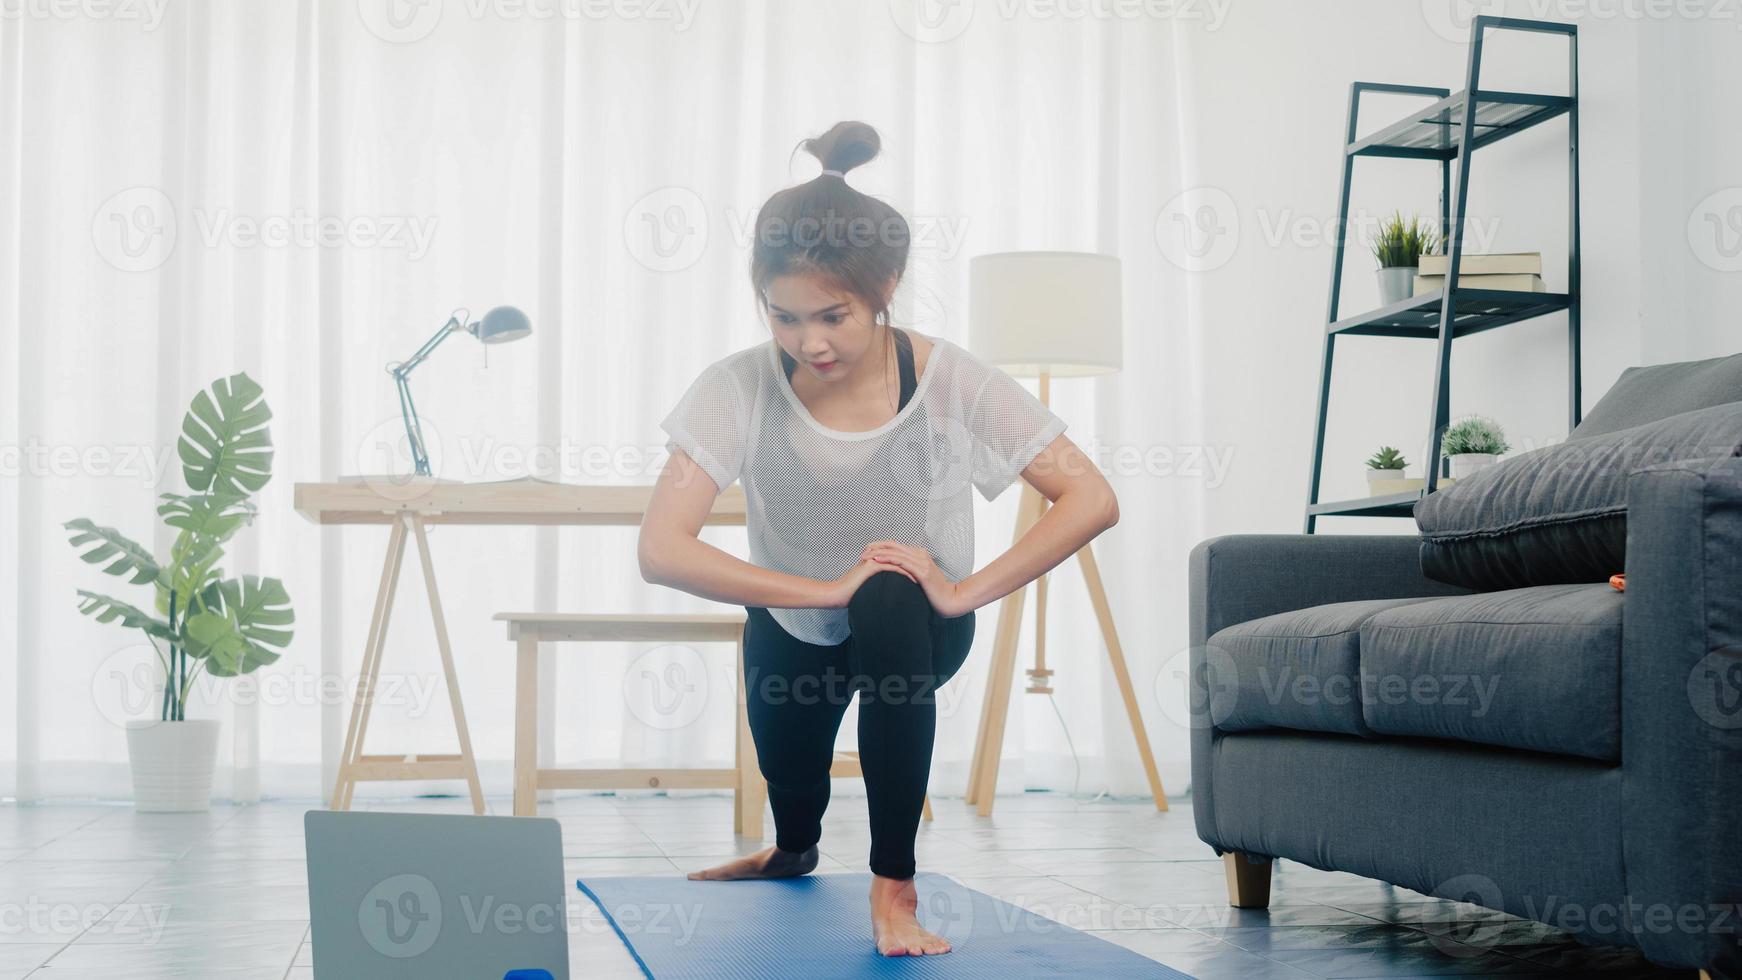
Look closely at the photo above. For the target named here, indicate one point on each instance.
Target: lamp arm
(413, 428)
(401, 379)
(405, 366)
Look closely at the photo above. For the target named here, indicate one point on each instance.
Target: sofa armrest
(1681, 712)
(1245, 576)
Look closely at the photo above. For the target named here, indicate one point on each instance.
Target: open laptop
(434, 896)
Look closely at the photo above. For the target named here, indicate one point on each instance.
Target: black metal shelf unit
(1450, 130)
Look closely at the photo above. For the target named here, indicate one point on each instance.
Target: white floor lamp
(1045, 314)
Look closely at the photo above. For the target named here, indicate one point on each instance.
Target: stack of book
(1518, 271)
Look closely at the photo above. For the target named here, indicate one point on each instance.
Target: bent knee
(888, 591)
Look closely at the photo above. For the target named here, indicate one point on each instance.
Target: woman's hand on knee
(841, 590)
(916, 563)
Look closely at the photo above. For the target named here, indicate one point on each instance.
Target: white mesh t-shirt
(816, 496)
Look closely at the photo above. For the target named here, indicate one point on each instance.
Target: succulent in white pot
(201, 620)
(1472, 443)
(1385, 473)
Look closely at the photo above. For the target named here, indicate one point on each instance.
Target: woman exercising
(856, 442)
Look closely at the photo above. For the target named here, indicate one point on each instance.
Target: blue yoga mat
(817, 926)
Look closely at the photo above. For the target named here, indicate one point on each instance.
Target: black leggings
(899, 653)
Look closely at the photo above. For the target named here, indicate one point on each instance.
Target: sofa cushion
(1647, 394)
(1295, 669)
(1558, 514)
(1535, 668)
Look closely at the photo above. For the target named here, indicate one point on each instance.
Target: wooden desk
(409, 505)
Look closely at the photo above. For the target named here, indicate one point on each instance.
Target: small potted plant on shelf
(1399, 247)
(201, 619)
(1471, 443)
(1385, 473)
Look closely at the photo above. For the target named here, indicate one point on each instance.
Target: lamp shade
(1057, 312)
(500, 325)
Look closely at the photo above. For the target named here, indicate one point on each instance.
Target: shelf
(1476, 310)
(1433, 132)
(1389, 505)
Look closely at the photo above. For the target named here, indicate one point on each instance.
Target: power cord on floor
(1076, 763)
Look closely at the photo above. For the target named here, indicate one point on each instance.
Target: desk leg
(526, 727)
(751, 792)
(467, 763)
(371, 666)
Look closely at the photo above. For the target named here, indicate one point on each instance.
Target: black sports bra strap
(903, 357)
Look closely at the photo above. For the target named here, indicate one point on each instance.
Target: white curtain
(305, 190)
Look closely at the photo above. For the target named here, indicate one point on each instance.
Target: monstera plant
(199, 618)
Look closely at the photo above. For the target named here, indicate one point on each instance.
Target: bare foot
(894, 926)
(767, 863)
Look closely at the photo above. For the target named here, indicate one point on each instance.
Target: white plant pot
(172, 764)
(1396, 284)
(1468, 464)
(1382, 482)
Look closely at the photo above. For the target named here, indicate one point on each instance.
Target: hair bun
(845, 146)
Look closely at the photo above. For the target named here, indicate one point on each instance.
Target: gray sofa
(1560, 751)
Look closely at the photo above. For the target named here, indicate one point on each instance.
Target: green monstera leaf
(249, 629)
(107, 609)
(215, 516)
(224, 446)
(123, 555)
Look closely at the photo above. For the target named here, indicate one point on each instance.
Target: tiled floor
(99, 891)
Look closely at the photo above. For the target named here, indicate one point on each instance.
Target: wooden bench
(749, 791)
(528, 630)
